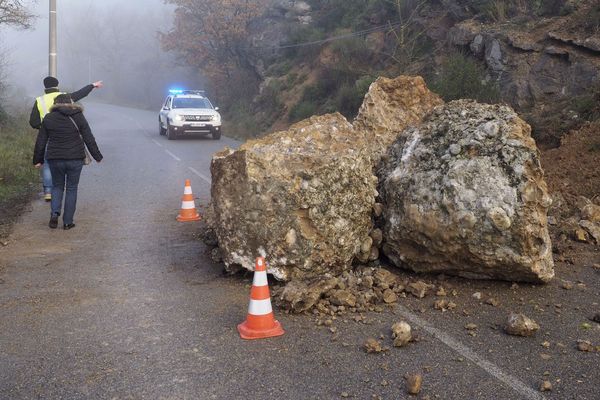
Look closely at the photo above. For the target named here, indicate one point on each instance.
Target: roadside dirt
(11, 209)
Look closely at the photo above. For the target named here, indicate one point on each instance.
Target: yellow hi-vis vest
(45, 102)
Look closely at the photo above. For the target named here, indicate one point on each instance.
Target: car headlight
(179, 118)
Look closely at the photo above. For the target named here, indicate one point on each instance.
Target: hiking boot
(53, 222)
(66, 227)
(48, 197)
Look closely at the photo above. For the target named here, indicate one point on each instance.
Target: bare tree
(14, 12)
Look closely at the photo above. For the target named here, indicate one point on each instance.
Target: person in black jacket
(39, 111)
(63, 134)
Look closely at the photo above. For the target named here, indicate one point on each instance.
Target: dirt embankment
(572, 170)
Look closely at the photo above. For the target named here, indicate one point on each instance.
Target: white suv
(189, 112)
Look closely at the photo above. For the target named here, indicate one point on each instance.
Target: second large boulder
(464, 194)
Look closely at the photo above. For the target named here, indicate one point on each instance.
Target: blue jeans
(65, 173)
(46, 178)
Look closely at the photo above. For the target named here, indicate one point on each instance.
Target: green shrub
(462, 77)
(302, 110)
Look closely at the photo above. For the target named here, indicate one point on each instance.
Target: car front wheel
(161, 131)
(216, 135)
(170, 133)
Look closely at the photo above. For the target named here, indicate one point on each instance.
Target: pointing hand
(98, 84)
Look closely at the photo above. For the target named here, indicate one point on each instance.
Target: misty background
(116, 41)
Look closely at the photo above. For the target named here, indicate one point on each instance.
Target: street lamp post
(52, 61)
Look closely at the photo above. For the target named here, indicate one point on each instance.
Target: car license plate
(199, 125)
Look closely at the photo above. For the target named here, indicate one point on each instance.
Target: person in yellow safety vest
(41, 107)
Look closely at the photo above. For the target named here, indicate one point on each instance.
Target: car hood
(194, 111)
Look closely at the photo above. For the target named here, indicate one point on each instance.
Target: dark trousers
(65, 174)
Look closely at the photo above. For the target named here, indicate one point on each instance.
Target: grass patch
(17, 174)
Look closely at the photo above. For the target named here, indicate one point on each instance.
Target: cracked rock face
(464, 194)
(302, 198)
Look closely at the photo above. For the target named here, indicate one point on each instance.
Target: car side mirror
(166, 108)
(216, 108)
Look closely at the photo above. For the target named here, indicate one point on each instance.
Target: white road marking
(513, 382)
(156, 143)
(172, 155)
(203, 177)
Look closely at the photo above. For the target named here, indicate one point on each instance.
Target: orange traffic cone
(260, 322)
(188, 206)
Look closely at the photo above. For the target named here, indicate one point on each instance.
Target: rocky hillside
(314, 57)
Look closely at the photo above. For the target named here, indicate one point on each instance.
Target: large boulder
(302, 198)
(391, 106)
(465, 194)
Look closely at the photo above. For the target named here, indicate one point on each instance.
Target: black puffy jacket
(63, 140)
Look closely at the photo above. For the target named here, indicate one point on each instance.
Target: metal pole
(52, 62)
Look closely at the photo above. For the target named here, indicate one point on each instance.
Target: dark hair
(63, 99)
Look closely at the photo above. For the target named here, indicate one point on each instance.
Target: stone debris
(492, 302)
(389, 296)
(470, 326)
(587, 346)
(591, 212)
(464, 194)
(591, 228)
(444, 305)
(520, 325)
(580, 235)
(595, 318)
(401, 333)
(372, 345)
(414, 383)
(419, 289)
(363, 289)
(477, 295)
(342, 298)
(567, 285)
(545, 386)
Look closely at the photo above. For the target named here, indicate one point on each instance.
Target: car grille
(198, 117)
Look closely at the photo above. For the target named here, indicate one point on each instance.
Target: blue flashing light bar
(185, 91)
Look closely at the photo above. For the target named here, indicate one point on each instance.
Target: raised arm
(84, 91)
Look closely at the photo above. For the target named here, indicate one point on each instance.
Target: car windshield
(190, 102)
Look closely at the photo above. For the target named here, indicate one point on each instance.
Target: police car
(189, 112)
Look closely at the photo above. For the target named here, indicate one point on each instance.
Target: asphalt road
(129, 306)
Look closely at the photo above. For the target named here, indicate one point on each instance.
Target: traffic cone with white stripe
(260, 322)
(188, 206)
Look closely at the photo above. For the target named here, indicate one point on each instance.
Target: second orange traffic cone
(260, 322)
(188, 206)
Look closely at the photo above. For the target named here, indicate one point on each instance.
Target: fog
(110, 40)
